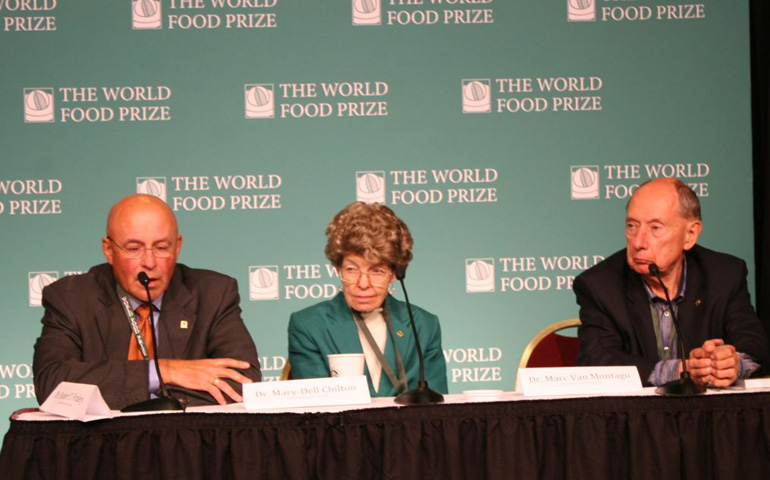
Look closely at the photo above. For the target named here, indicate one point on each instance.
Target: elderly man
(205, 350)
(623, 305)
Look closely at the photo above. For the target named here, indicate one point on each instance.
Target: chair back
(286, 372)
(550, 349)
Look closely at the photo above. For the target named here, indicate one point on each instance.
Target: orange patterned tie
(144, 326)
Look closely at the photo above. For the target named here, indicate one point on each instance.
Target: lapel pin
(400, 334)
(183, 324)
(698, 301)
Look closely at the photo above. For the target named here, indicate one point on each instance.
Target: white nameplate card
(78, 401)
(311, 392)
(579, 380)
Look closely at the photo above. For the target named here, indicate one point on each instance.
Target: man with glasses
(96, 328)
(365, 243)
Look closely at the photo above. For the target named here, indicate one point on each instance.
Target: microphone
(166, 401)
(422, 394)
(685, 384)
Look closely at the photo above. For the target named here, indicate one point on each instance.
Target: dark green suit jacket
(328, 327)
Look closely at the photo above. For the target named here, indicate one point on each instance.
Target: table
(720, 436)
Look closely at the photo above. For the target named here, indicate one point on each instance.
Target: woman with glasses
(365, 243)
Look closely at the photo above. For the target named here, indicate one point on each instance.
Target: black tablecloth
(712, 436)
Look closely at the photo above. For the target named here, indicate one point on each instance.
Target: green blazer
(328, 327)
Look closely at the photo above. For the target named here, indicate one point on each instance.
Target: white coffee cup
(346, 364)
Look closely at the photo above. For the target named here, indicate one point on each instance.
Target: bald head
(662, 222)
(142, 236)
(139, 205)
(689, 205)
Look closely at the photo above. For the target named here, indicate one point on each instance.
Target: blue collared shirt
(667, 368)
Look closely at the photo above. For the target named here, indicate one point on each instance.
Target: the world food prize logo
(38, 281)
(477, 97)
(38, 105)
(145, 14)
(259, 100)
(367, 12)
(263, 282)
(584, 182)
(155, 186)
(370, 187)
(479, 275)
(581, 10)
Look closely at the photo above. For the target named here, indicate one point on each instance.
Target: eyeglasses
(136, 251)
(377, 276)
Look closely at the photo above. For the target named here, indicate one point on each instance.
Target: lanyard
(132, 322)
(398, 382)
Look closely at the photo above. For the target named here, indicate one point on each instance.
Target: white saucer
(482, 395)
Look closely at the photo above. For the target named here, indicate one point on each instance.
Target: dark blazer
(328, 327)
(86, 334)
(617, 323)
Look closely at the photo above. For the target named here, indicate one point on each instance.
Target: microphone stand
(166, 401)
(422, 394)
(685, 385)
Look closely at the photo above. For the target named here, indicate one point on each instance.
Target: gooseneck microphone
(685, 385)
(166, 401)
(422, 394)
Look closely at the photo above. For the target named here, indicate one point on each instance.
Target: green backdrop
(508, 134)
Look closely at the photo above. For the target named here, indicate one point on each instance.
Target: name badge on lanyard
(132, 322)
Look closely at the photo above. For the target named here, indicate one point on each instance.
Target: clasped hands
(714, 363)
(207, 375)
